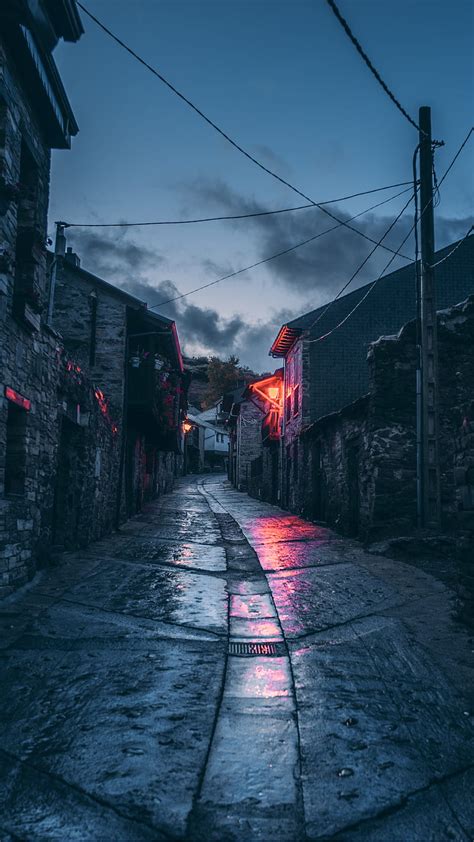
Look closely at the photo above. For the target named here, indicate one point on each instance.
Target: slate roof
(338, 368)
(451, 278)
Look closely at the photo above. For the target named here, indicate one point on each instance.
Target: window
(15, 455)
(288, 407)
(296, 400)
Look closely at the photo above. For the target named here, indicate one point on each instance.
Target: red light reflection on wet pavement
(266, 530)
(262, 678)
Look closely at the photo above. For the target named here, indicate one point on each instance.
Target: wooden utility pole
(430, 484)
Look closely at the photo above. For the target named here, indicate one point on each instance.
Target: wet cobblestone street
(222, 670)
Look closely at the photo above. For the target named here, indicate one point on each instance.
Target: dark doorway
(353, 486)
(318, 484)
(274, 469)
(288, 475)
(69, 483)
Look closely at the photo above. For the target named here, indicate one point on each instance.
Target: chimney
(72, 257)
(60, 245)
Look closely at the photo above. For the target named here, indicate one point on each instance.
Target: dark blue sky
(285, 82)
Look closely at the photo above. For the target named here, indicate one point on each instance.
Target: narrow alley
(221, 670)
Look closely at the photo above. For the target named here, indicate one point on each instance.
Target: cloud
(315, 271)
(113, 252)
(321, 267)
(272, 159)
(126, 263)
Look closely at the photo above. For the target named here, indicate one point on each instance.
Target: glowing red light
(273, 393)
(16, 398)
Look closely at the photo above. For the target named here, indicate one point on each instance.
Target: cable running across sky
(369, 64)
(279, 254)
(221, 131)
(366, 260)
(231, 216)
(387, 266)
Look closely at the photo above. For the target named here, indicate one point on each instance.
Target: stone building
(254, 420)
(35, 117)
(326, 376)
(360, 462)
(133, 357)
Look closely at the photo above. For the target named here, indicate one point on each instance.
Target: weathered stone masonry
(366, 452)
(29, 350)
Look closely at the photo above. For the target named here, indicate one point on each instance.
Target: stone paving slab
(124, 718)
(380, 718)
(175, 553)
(252, 606)
(318, 598)
(292, 555)
(38, 807)
(172, 596)
(424, 816)
(253, 761)
(371, 706)
(458, 793)
(128, 724)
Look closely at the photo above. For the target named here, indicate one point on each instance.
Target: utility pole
(429, 463)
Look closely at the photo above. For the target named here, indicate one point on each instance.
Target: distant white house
(210, 437)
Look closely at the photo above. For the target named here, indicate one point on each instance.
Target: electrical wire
(361, 265)
(368, 62)
(278, 254)
(361, 301)
(232, 216)
(398, 252)
(456, 156)
(217, 128)
(466, 237)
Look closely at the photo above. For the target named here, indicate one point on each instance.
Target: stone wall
(88, 460)
(358, 466)
(264, 475)
(336, 470)
(86, 312)
(28, 350)
(295, 419)
(456, 377)
(249, 441)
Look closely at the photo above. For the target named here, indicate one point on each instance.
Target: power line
(232, 216)
(457, 155)
(361, 301)
(466, 237)
(397, 253)
(278, 254)
(368, 62)
(361, 266)
(219, 130)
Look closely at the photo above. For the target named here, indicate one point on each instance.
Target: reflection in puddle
(251, 606)
(262, 678)
(268, 530)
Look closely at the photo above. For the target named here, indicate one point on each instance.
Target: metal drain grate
(248, 649)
